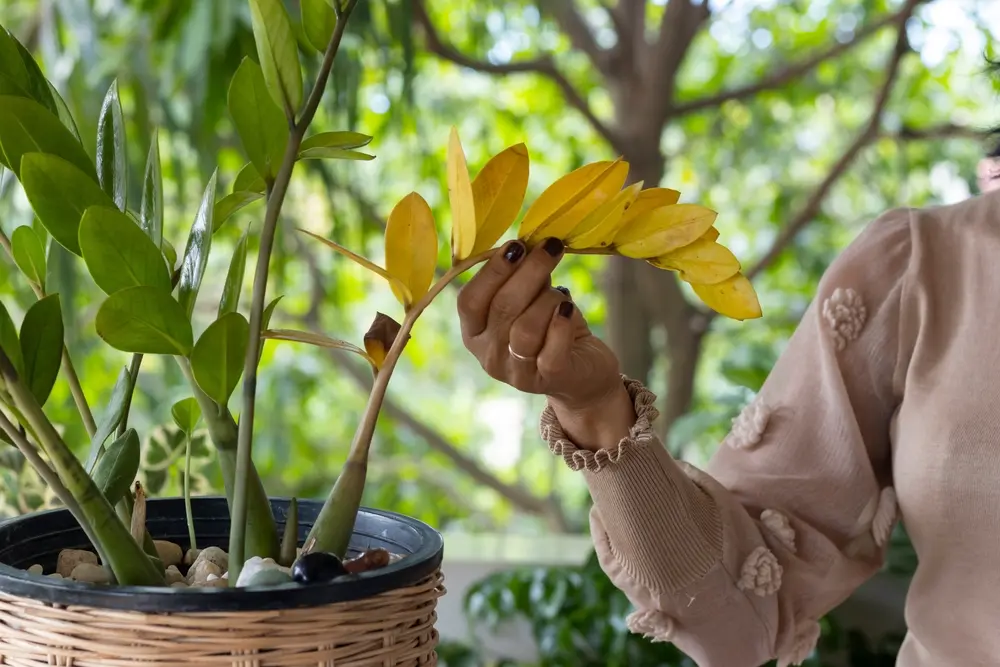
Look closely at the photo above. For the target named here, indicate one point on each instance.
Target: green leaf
(10, 87)
(37, 86)
(261, 124)
(145, 320)
(218, 356)
(60, 194)
(336, 140)
(29, 254)
(151, 206)
(230, 301)
(119, 466)
(249, 180)
(118, 254)
(112, 416)
(28, 127)
(278, 52)
(112, 160)
(196, 254)
(333, 154)
(230, 204)
(265, 319)
(63, 112)
(9, 342)
(11, 62)
(42, 346)
(318, 22)
(186, 414)
(169, 254)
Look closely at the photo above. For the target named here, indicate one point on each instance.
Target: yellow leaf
(411, 247)
(599, 228)
(711, 235)
(703, 262)
(650, 199)
(663, 230)
(565, 203)
(498, 192)
(361, 261)
(733, 298)
(318, 340)
(463, 209)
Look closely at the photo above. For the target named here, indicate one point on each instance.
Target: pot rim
(415, 567)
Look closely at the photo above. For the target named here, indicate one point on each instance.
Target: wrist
(600, 423)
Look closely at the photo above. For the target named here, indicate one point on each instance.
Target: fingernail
(514, 252)
(566, 309)
(554, 247)
(564, 290)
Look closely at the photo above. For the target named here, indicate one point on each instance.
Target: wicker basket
(377, 619)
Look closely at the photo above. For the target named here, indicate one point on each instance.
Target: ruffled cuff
(640, 435)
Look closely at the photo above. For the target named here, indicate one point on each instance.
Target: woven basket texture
(394, 629)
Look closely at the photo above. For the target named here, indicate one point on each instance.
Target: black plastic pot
(38, 538)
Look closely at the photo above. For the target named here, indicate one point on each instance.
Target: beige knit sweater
(888, 390)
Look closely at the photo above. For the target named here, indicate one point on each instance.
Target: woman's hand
(530, 335)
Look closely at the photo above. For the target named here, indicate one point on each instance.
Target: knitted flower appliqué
(845, 314)
(779, 526)
(652, 624)
(761, 573)
(749, 426)
(805, 644)
(885, 516)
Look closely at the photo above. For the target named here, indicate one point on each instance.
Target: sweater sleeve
(736, 564)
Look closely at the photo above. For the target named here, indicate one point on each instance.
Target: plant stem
(244, 448)
(187, 491)
(133, 373)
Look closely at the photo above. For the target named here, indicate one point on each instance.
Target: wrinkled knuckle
(466, 301)
(503, 309)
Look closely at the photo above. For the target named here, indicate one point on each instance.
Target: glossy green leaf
(230, 301)
(249, 180)
(230, 204)
(37, 86)
(63, 112)
(151, 206)
(112, 160)
(260, 123)
(278, 53)
(323, 152)
(29, 254)
(119, 466)
(60, 194)
(111, 417)
(145, 320)
(169, 254)
(118, 254)
(336, 140)
(28, 127)
(196, 253)
(11, 63)
(186, 414)
(9, 342)
(10, 87)
(318, 23)
(218, 356)
(42, 346)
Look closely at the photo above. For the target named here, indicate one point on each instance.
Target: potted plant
(116, 577)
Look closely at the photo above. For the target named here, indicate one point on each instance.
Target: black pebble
(317, 567)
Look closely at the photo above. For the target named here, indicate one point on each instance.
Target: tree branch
(567, 16)
(789, 73)
(543, 65)
(680, 24)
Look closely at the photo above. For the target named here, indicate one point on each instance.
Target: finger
(555, 356)
(518, 292)
(527, 333)
(475, 298)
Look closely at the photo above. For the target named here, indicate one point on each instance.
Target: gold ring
(519, 357)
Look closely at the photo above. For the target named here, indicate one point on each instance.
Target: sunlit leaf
(28, 127)
(36, 85)
(60, 193)
(733, 298)
(411, 247)
(318, 22)
(324, 152)
(463, 208)
(151, 206)
(218, 356)
(9, 342)
(112, 159)
(196, 253)
(368, 264)
(118, 254)
(230, 300)
(260, 123)
(566, 202)
(249, 180)
(29, 254)
(111, 417)
(145, 320)
(599, 227)
(117, 469)
(497, 194)
(278, 52)
(318, 340)
(11, 63)
(335, 140)
(186, 413)
(663, 230)
(63, 112)
(703, 262)
(230, 204)
(42, 346)
(648, 200)
(711, 235)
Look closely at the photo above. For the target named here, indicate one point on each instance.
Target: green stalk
(276, 197)
(120, 552)
(133, 372)
(335, 524)
(189, 514)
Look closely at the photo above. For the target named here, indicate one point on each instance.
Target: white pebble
(90, 573)
(70, 558)
(179, 584)
(253, 566)
(36, 569)
(199, 572)
(170, 553)
(173, 575)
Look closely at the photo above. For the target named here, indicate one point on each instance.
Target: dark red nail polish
(514, 252)
(554, 247)
(566, 309)
(564, 290)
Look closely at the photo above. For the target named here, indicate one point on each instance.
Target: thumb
(555, 356)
